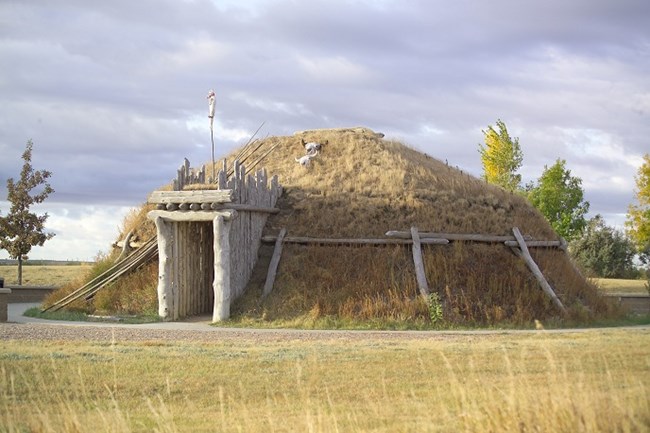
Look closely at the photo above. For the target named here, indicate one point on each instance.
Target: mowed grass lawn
(589, 381)
(46, 275)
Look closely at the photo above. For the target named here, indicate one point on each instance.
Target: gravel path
(107, 333)
(199, 330)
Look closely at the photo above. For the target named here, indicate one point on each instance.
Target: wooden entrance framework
(208, 239)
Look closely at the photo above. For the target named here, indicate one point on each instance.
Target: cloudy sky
(113, 93)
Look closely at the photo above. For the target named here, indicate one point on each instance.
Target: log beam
(191, 215)
(452, 236)
(350, 241)
(192, 196)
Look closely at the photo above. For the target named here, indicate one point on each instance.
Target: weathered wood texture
(523, 252)
(222, 269)
(165, 268)
(273, 266)
(194, 196)
(214, 239)
(420, 275)
(188, 176)
(247, 226)
(509, 241)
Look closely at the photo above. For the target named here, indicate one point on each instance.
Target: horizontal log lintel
(197, 216)
(189, 197)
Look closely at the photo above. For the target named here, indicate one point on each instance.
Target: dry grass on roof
(361, 185)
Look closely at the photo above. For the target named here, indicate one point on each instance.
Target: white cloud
(270, 105)
(113, 93)
(81, 232)
(334, 70)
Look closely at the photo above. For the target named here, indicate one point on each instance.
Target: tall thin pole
(211, 103)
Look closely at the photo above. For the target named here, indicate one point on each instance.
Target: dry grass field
(610, 285)
(593, 381)
(48, 275)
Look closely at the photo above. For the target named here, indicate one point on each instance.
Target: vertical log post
(525, 255)
(221, 284)
(165, 265)
(419, 264)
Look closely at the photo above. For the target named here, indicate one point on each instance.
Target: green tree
(21, 229)
(638, 216)
(501, 157)
(604, 251)
(560, 198)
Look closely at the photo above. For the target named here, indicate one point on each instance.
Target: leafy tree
(560, 198)
(21, 229)
(501, 157)
(604, 251)
(638, 216)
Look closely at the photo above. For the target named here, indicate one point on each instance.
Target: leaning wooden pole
(273, 266)
(525, 255)
(423, 286)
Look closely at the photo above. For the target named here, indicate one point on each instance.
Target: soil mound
(360, 185)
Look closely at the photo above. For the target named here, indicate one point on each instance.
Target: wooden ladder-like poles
(518, 243)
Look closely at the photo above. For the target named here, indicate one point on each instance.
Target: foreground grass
(611, 285)
(587, 381)
(45, 275)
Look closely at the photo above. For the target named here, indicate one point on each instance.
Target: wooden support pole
(221, 283)
(165, 298)
(525, 255)
(423, 286)
(175, 281)
(273, 266)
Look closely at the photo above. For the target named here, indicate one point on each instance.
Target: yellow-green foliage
(501, 157)
(638, 217)
(594, 381)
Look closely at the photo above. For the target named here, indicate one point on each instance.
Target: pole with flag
(211, 103)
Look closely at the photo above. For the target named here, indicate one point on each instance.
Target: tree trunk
(20, 271)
